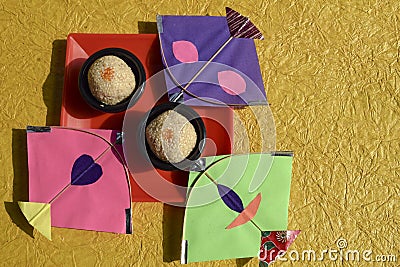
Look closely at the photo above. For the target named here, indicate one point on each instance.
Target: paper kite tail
(38, 215)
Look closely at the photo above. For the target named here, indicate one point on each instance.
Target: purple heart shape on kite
(85, 171)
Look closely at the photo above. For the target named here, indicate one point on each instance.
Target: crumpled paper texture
(331, 71)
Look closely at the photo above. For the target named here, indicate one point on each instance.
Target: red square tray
(76, 113)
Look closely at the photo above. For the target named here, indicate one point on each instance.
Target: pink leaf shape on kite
(231, 82)
(185, 51)
(247, 214)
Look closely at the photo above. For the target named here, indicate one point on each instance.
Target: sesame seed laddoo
(171, 136)
(111, 80)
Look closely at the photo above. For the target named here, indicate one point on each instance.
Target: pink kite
(77, 179)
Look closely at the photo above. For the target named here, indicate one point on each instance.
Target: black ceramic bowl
(198, 125)
(132, 61)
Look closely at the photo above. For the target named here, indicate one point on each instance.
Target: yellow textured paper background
(332, 75)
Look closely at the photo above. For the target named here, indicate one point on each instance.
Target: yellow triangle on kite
(38, 215)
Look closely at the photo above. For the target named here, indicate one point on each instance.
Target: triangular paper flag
(38, 215)
(240, 26)
(274, 243)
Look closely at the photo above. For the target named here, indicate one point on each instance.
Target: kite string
(209, 61)
(255, 225)
(184, 88)
(215, 55)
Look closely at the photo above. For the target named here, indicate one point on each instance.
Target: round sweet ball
(171, 136)
(111, 80)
